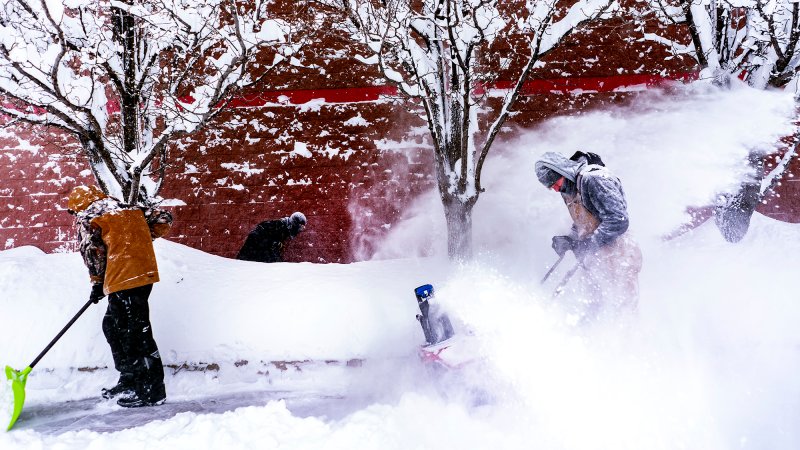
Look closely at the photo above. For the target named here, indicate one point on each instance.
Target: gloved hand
(97, 293)
(562, 243)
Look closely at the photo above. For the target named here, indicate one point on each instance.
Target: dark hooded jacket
(601, 193)
(265, 243)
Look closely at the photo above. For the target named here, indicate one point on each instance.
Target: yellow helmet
(82, 196)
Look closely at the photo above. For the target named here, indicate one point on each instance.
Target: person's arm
(606, 197)
(276, 232)
(93, 249)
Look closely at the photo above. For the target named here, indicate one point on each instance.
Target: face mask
(558, 184)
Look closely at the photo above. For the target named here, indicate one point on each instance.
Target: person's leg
(140, 347)
(115, 320)
(627, 265)
(618, 276)
(593, 280)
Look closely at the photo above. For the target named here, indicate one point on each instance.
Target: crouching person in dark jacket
(116, 242)
(609, 257)
(267, 240)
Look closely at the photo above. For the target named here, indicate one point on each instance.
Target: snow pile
(216, 310)
(714, 342)
(272, 426)
(6, 404)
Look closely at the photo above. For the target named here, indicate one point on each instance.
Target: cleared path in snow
(105, 416)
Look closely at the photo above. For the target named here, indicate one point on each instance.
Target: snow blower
(435, 324)
(17, 379)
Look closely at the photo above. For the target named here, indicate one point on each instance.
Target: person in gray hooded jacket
(610, 258)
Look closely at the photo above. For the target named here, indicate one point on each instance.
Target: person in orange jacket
(116, 242)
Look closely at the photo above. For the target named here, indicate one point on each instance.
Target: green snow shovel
(18, 378)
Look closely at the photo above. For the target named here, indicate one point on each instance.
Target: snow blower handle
(61, 333)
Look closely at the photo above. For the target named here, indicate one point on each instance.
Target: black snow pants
(128, 332)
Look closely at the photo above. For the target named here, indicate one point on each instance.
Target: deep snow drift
(711, 361)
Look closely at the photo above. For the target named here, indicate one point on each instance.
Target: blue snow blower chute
(435, 324)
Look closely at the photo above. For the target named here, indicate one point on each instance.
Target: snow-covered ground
(323, 356)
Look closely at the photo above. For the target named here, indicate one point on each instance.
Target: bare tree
(755, 40)
(436, 53)
(128, 78)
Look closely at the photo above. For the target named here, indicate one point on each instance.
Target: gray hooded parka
(600, 190)
(599, 212)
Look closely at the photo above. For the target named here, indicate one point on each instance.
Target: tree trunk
(459, 228)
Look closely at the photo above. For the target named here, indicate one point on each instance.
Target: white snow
(172, 202)
(21, 145)
(244, 168)
(301, 149)
(710, 362)
(357, 121)
(6, 402)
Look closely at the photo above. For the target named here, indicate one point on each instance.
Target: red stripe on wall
(595, 84)
(300, 96)
(373, 93)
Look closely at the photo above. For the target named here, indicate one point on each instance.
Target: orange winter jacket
(116, 239)
(130, 259)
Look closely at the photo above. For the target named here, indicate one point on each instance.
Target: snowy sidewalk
(95, 414)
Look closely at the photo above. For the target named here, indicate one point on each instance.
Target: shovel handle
(553, 267)
(61, 333)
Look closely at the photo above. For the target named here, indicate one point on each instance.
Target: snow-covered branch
(129, 77)
(756, 40)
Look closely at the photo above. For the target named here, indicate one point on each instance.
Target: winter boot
(135, 401)
(124, 386)
(145, 395)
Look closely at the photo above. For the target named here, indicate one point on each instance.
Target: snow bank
(378, 427)
(217, 310)
(710, 362)
(6, 403)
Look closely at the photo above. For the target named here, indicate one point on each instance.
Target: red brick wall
(224, 204)
(783, 202)
(37, 170)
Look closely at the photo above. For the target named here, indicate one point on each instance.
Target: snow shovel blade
(18, 379)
